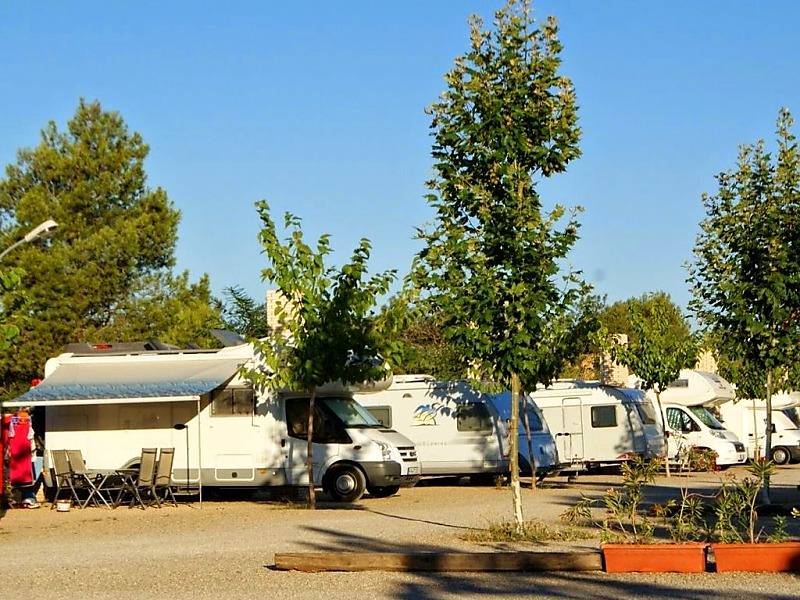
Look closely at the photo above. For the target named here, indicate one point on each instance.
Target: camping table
(128, 481)
(99, 484)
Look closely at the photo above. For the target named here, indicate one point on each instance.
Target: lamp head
(42, 230)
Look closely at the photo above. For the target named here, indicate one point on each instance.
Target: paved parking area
(225, 548)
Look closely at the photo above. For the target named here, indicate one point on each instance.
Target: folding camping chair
(63, 477)
(163, 482)
(137, 482)
(81, 479)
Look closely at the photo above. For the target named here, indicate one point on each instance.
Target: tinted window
(604, 416)
(534, 421)
(232, 402)
(473, 417)
(382, 414)
(646, 412)
(328, 429)
(679, 420)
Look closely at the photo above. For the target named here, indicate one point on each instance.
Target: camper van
(748, 419)
(455, 429)
(225, 433)
(598, 425)
(542, 444)
(690, 423)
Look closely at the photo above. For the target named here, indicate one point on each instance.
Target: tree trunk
(757, 449)
(526, 422)
(312, 491)
(768, 440)
(516, 496)
(663, 431)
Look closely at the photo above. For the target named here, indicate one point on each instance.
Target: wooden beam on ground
(313, 562)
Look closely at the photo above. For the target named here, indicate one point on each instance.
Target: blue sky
(319, 107)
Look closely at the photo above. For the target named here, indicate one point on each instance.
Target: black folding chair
(63, 477)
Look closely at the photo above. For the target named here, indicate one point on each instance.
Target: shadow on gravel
(568, 585)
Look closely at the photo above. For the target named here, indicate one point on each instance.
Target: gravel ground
(227, 547)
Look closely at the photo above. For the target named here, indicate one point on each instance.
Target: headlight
(719, 434)
(386, 451)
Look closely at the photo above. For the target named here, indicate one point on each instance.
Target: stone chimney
(613, 373)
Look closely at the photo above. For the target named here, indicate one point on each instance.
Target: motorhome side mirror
(773, 429)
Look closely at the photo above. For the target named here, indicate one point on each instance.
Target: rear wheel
(345, 483)
(781, 456)
(383, 491)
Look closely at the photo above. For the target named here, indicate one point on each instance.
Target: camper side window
(382, 413)
(473, 417)
(232, 402)
(604, 416)
(327, 429)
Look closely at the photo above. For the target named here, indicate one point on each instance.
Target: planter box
(654, 558)
(783, 556)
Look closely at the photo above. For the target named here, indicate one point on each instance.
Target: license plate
(413, 470)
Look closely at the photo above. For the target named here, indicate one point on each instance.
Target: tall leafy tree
(491, 266)
(244, 315)
(327, 330)
(653, 352)
(167, 307)
(744, 277)
(617, 317)
(114, 230)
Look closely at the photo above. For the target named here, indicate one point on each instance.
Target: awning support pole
(199, 455)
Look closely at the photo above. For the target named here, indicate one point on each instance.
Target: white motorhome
(225, 433)
(455, 428)
(543, 443)
(598, 425)
(748, 419)
(690, 424)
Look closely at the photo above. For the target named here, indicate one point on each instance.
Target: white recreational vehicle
(689, 423)
(598, 425)
(748, 419)
(224, 433)
(455, 429)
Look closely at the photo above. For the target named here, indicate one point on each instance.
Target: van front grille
(408, 453)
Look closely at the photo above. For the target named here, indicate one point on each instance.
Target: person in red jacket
(18, 433)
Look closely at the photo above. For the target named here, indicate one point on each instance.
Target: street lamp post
(40, 231)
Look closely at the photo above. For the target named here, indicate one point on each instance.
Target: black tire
(383, 491)
(781, 456)
(345, 483)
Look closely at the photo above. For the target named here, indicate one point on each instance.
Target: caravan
(689, 423)
(456, 429)
(598, 425)
(225, 433)
(748, 419)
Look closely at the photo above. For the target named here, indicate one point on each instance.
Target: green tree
(491, 266)
(166, 307)
(244, 315)
(616, 318)
(327, 329)
(744, 277)
(113, 231)
(421, 346)
(653, 352)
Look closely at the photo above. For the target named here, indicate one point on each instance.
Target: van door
(681, 427)
(323, 447)
(570, 440)
(233, 438)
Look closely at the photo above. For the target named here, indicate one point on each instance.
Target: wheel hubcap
(780, 456)
(345, 483)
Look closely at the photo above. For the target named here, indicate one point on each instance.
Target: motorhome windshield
(351, 413)
(706, 417)
(791, 414)
(646, 412)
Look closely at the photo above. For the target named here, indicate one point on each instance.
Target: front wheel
(345, 483)
(383, 491)
(780, 456)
